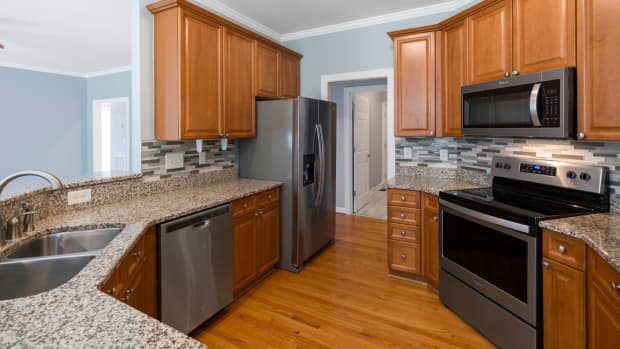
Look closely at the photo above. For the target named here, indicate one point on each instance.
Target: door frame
(388, 74)
(94, 106)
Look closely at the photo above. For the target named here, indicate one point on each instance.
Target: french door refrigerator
(296, 145)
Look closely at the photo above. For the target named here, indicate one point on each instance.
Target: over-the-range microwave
(539, 105)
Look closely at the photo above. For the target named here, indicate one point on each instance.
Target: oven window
(502, 108)
(496, 257)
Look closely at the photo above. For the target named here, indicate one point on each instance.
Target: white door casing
(361, 150)
(384, 146)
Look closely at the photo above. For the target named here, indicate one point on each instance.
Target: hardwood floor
(342, 299)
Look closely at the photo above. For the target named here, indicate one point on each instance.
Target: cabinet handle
(562, 249)
(245, 206)
(112, 290)
(432, 133)
(581, 135)
(545, 265)
(403, 256)
(403, 233)
(614, 286)
(435, 218)
(515, 73)
(506, 74)
(269, 197)
(402, 215)
(403, 198)
(137, 254)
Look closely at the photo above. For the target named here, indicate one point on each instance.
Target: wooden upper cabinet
(239, 110)
(414, 62)
(598, 35)
(543, 35)
(489, 43)
(266, 71)
(288, 75)
(453, 77)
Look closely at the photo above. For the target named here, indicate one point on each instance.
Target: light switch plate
(79, 196)
(407, 154)
(202, 158)
(174, 161)
(443, 154)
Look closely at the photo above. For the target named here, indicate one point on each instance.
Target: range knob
(498, 165)
(585, 176)
(571, 175)
(507, 167)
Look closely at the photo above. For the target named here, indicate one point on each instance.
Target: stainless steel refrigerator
(296, 144)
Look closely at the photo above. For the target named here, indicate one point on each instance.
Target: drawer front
(404, 257)
(407, 233)
(431, 203)
(404, 215)
(243, 206)
(132, 262)
(603, 274)
(564, 249)
(406, 198)
(267, 198)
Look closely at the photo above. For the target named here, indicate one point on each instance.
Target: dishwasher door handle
(202, 226)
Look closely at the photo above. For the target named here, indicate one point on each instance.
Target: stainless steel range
(490, 258)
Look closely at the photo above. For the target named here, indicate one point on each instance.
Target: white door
(111, 145)
(361, 151)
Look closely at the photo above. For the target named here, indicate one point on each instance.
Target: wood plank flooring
(342, 299)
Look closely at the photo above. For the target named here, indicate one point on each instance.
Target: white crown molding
(65, 73)
(238, 18)
(443, 7)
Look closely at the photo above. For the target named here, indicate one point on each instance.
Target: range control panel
(538, 169)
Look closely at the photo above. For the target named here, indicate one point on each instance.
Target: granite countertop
(77, 314)
(429, 184)
(600, 231)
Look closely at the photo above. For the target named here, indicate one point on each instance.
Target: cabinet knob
(506, 74)
(403, 198)
(545, 265)
(245, 206)
(515, 73)
(112, 290)
(226, 134)
(435, 218)
(432, 133)
(269, 197)
(614, 286)
(403, 256)
(403, 233)
(562, 249)
(581, 135)
(137, 254)
(402, 215)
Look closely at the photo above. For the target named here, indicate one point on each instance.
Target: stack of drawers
(404, 216)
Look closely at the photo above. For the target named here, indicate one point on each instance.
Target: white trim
(238, 17)
(65, 73)
(430, 10)
(387, 73)
(342, 210)
(95, 106)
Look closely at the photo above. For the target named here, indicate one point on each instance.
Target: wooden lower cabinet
(430, 230)
(603, 304)
(256, 236)
(404, 257)
(135, 280)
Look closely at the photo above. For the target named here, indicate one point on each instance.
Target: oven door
(494, 256)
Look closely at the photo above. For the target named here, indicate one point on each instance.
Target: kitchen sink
(26, 277)
(65, 243)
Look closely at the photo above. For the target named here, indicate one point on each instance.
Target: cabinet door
(239, 103)
(604, 318)
(543, 35)
(202, 78)
(598, 35)
(489, 43)
(134, 294)
(266, 70)
(414, 61)
(149, 270)
(244, 251)
(267, 239)
(288, 75)
(454, 67)
(431, 244)
(564, 306)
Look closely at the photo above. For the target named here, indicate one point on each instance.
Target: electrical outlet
(407, 153)
(202, 158)
(79, 196)
(443, 154)
(174, 161)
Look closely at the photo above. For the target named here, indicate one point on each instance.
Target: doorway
(111, 136)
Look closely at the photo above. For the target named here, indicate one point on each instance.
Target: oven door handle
(534, 95)
(483, 217)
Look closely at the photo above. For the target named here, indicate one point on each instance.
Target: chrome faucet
(11, 230)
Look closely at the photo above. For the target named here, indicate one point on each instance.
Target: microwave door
(535, 105)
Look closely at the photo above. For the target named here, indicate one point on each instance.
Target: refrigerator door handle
(322, 169)
(316, 149)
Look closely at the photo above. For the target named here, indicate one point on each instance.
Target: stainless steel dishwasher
(196, 267)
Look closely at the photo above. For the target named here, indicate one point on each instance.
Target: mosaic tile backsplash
(475, 154)
(154, 158)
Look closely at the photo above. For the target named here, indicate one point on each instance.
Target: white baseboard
(342, 210)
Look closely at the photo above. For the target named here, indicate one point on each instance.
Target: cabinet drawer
(132, 262)
(404, 257)
(564, 249)
(404, 215)
(243, 206)
(431, 203)
(406, 198)
(604, 275)
(267, 198)
(403, 232)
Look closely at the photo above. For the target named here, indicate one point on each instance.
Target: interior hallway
(377, 205)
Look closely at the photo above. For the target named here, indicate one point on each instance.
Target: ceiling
(74, 37)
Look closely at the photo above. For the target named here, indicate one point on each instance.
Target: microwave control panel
(549, 104)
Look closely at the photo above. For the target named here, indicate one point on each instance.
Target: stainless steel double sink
(49, 261)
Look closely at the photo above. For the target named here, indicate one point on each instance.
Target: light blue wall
(354, 50)
(41, 122)
(103, 87)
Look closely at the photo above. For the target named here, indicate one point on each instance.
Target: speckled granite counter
(599, 231)
(428, 184)
(77, 314)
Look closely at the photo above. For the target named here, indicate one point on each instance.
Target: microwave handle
(534, 105)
